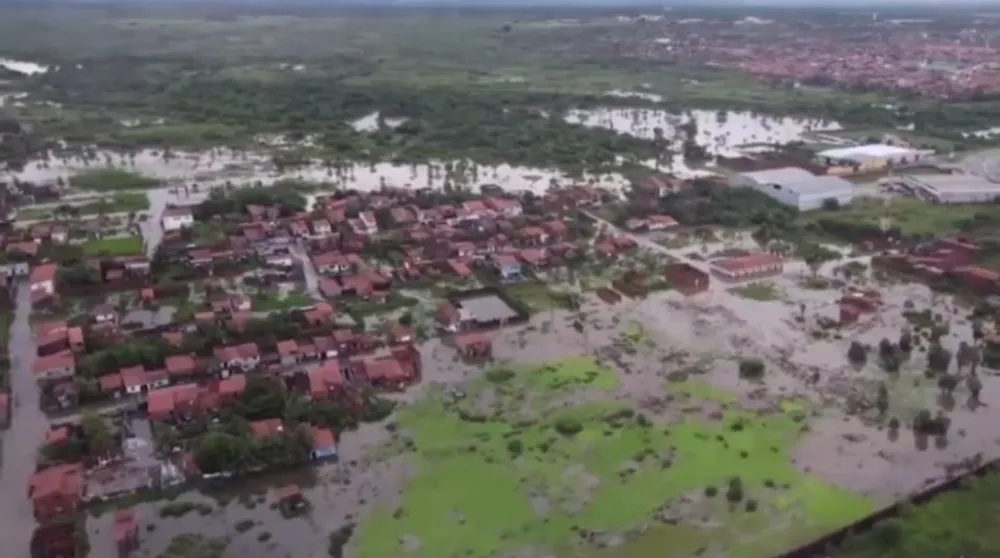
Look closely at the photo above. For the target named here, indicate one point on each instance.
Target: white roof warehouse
(797, 187)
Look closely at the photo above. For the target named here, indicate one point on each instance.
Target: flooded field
(719, 132)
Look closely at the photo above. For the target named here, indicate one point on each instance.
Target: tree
(218, 451)
(264, 397)
(734, 493)
(947, 383)
(906, 341)
(857, 353)
(751, 369)
(975, 385)
(100, 440)
(938, 358)
(882, 401)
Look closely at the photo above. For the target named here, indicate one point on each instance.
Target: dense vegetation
(490, 89)
(956, 524)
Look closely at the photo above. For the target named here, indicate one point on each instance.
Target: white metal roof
(801, 181)
(867, 151)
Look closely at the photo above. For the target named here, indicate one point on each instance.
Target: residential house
(452, 318)
(505, 206)
(60, 366)
(507, 266)
(325, 380)
(387, 372)
(747, 267)
(56, 491)
(324, 444)
(104, 314)
(180, 367)
(288, 352)
(43, 281)
(176, 218)
(660, 222)
(136, 379)
(244, 357)
(231, 388)
(367, 223)
(688, 279)
(321, 227)
(556, 229)
(126, 531)
(473, 346)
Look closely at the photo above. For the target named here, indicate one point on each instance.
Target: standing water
(21, 440)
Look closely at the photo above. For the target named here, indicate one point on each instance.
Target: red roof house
(56, 491)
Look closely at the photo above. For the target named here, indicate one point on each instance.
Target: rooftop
(870, 151)
(952, 183)
(801, 181)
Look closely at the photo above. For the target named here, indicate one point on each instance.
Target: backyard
(542, 457)
(114, 246)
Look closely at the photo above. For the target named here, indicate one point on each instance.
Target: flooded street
(309, 270)
(21, 440)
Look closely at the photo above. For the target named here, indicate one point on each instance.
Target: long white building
(951, 188)
(797, 187)
(871, 157)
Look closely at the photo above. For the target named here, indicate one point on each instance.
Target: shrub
(499, 375)
(857, 353)
(515, 447)
(568, 427)
(751, 505)
(711, 491)
(734, 493)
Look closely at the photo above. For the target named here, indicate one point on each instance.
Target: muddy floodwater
(19, 443)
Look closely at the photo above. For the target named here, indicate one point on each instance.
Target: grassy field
(114, 246)
(111, 179)
(912, 216)
(960, 523)
(523, 463)
(761, 291)
(267, 302)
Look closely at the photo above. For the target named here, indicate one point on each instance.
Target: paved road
(21, 440)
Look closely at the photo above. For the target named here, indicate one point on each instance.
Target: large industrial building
(950, 188)
(872, 157)
(796, 187)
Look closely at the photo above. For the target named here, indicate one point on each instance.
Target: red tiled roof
(44, 272)
(180, 365)
(740, 263)
(287, 347)
(466, 340)
(51, 362)
(322, 438)
(65, 479)
(233, 385)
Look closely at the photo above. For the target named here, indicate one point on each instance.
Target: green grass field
(960, 523)
(114, 246)
(267, 302)
(520, 464)
(912, 216)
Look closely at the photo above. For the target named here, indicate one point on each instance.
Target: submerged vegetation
(512, 466)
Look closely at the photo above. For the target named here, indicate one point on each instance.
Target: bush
(499, 375)
(515, 447)
(711, 491)
(751, 505)
(751, 369)
(857, 353)
(735, 491)
(568, 427)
